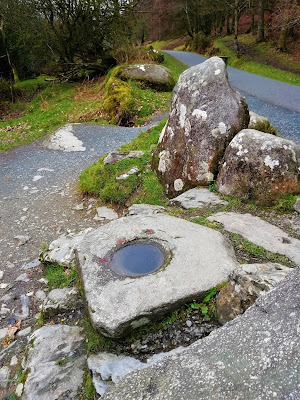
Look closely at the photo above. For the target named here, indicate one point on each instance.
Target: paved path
(278, 101)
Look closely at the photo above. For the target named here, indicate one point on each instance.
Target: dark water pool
(137, 259)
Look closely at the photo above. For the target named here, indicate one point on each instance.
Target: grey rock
(260, 233)
(55, 361)
(116, 156)
(79, 207)
(245, 285)
(108, 369)
(22, 239)
(25, 307)
(297, 205)
(14, 361)
(3, 333)
(259, 122)
(40, 295)
(24, 332)
(145, 209)
(157, 76)
(19, 389)
(118, 304)
(254, 357)
(261, 167)
(61, 300)
(105, 213)
(123, 177)
(206, 113)
(32, 264)
(4, 376)
(62, 250)
(197, 198)
(22, 278)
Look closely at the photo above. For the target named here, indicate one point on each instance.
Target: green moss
(286, 203)
(95, 341)
(87, 391)
(24, 376)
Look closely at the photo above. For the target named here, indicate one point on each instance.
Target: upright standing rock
(206, 113)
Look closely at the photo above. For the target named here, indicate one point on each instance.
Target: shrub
(199, 43)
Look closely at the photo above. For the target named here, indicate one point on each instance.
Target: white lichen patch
(182, 115)
(222, 127)
(178, 185)
(217, 71)
(200, 114)
(271, 163)
(142, 67)
(161, 136)
(170, 132)
(188, 128)
(65, 140)
(163, 161)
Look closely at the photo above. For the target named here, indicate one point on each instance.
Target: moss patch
(59, 276)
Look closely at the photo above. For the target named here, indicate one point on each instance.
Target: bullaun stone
(259, 166)
(206, 113)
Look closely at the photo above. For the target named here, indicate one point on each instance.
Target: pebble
(79, 207)
(43, 280)
(3, 333)
(22, 278)
(189, 323)
(14, 361)
(4, 376)
(32, 264)
(24, 332)
(19, 389)
(22, 239)
(40, 295)
(4, 311)
(3, 285)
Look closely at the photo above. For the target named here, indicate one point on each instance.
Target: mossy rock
(156, 76)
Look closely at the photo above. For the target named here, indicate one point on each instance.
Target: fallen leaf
(121, 241)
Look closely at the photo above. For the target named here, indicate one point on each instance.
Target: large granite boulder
(254, 357)
(206, 113)
(153, 75)
(261, 167)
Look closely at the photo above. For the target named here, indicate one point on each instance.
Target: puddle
(137, 259)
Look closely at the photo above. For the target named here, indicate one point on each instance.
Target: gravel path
(278, 101)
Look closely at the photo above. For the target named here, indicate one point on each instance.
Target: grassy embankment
(54, 104)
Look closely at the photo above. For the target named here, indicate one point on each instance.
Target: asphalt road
(278, 101)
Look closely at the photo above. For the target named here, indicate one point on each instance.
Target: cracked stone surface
(254, 357)
(55, 361)
(260, 233)
(118, 304)
(197, 198)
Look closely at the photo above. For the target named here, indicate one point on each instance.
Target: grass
(59, 276)
(56, 104)
(259, 252)
(255, 67)
(99, 179)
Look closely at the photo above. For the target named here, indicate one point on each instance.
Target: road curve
(278, 101)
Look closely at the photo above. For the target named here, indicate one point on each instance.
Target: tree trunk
(252, 18)
(228, 30)
(283, 38)
(261, 21)
(190, 31)
(11, 64)
(236, 28)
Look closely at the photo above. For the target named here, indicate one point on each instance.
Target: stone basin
(196, 259)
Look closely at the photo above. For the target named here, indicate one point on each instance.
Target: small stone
(40, 295)
(61, 300)
(25, 209)
(145, 209)
(1, 274)
(22, 239)
(11, 320)
(297, 205)
(3, 285)
(19, 389)
(4, 310)
(116, 156)
(14, 361)
(105, 213)
(123, 177)
(25, 307)
(22, 278)
(32, 264)
(29, 294)
(4, 376)
(189, 323)
(24, 332)
(79, 207)
(3, 333)
(43, 280)
(197, 198)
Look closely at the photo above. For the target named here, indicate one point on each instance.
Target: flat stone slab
(61, 300)
(55, 361)
(105, 213)
(198, 258)
(197, 198)
(254, 357)
(145, 209)
(260, 233)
